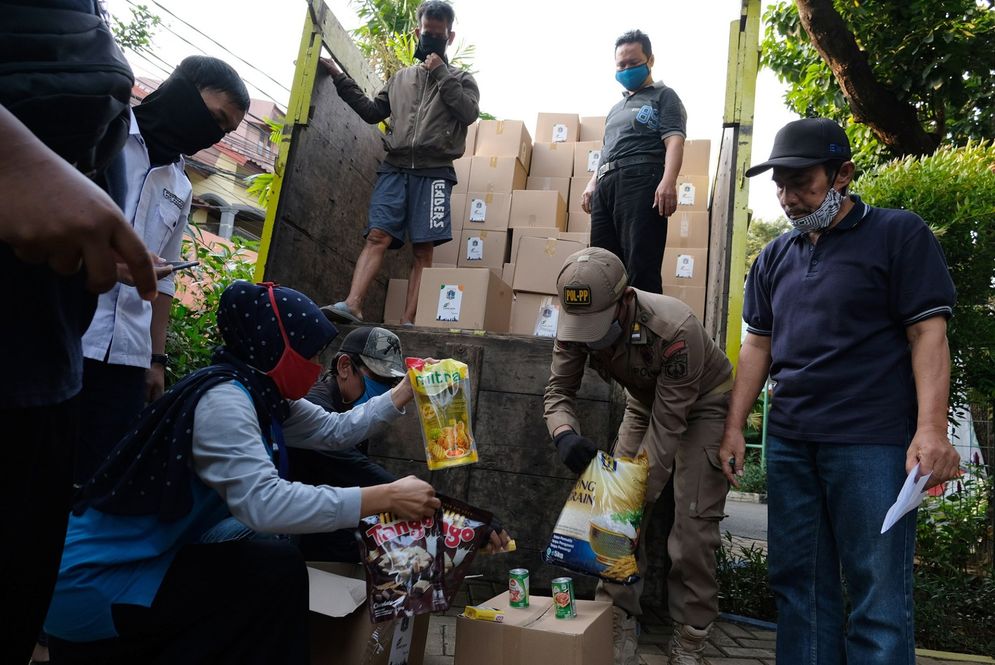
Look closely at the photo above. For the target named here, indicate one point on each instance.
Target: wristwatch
(160, 359)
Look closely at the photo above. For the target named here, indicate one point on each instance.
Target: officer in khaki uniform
(677, 384)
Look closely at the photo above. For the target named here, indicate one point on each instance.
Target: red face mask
(293, 374)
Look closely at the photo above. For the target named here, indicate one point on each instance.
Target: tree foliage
(934, 55)
(137, 33)
(954, 191)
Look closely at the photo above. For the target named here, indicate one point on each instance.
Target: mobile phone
(182, 265)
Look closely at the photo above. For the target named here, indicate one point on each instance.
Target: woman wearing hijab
(136, 585)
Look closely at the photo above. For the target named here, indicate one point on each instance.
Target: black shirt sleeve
(920, 284)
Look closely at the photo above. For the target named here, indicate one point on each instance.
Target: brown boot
(688, 644)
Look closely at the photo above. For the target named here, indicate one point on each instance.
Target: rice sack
(598, 529)
(442, 392)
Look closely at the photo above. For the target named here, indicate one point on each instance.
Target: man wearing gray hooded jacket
(429, 106)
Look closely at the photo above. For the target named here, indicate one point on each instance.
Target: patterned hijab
(149, 471)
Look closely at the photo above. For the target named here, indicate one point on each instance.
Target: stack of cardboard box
(464, 287)
(545, 228)
(510, 220)
(685, 260)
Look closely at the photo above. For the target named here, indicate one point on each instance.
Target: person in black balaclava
(136, 584)
(124, 346)
(430, 106)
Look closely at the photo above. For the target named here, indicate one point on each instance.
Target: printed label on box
(478, 210)
(450, 301)
(559, 133)
(400, 645)
(685, 266)
(549, 316)
(593, 157)
(474, 249)
(685, 194)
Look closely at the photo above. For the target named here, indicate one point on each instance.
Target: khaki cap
(590, 284)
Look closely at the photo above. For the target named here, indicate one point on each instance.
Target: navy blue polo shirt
(836, 313)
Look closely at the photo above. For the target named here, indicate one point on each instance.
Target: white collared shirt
(157, 201)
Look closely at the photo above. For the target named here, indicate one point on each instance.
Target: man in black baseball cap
(368, 363)
(847, 314)
(805, 143)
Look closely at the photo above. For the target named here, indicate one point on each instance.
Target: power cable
(214, 41)
(200, 49)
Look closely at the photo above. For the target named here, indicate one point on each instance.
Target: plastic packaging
(598, 529)
(442, 392)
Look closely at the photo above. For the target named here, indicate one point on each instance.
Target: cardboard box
(577, 187)
(582, 237)
(447, 252)
(687, 229)
(592, 128)
(394, 302)
(529, 232)
(487, 211)
(496, 174)
(462, 168)
(539, 263)
(557, 128)
(534, 636)
(436, 264)
(531, 207)
(340, 628)
(696, 154)
(504, 138)
(467, 298)
(528, 310)
(578, 222)
(693, 296)
(471, 140)
(684, 266)
(483, 249)
(586, 158)
(561, 185)
(552, 160)
(508, 273)
(692, 193)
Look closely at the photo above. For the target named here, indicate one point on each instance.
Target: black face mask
(174, 121)
(430, 44)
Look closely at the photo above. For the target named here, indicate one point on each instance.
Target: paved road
(748, 520)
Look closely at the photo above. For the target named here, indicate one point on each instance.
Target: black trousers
(112, 397)
(624, 221)
(339, 468)
(36, 492)
(242, 602)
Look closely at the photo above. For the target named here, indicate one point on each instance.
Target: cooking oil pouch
(442, 398)
(598, 529)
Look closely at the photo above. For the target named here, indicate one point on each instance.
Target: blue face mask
(633, 77)
(373, 389)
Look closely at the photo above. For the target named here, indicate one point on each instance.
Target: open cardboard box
(340, 626)
(534, 636)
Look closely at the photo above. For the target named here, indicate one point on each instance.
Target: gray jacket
(429, 113)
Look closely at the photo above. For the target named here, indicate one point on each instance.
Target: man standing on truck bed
(634, 189)
(430, 105)
(677, 384)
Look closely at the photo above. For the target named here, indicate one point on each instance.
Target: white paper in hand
(909, 498)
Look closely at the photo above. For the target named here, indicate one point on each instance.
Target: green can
(563, 598)
(518, 587)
